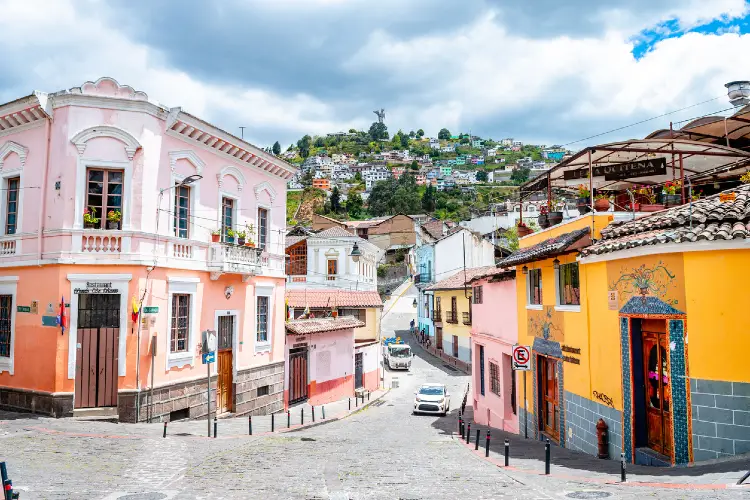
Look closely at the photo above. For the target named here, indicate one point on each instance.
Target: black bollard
(288, 419)
(546, 457)
(459, 423)
(302, 415)
(507, 452)
(313, 414)
(216, 426)
(356, 401)
(323, 409)
(273, 421)
(368, 395)
(463, 431)
(250, 425)
(487, 445)
(476, 444)
(165, 430)
(350, 403)
(622, 467)
(468, 433)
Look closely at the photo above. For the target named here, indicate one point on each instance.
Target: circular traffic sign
(521, 354)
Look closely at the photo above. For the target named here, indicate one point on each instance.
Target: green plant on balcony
(230, 235)
(113, 219)
(90, 219)
(241, 235)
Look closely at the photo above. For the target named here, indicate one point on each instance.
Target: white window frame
(529, 305)
(263, 291)
(189, 286)
(9, 286)
(194, 196)
(236, 210)
(558, 305)
(267, 208)
(5, 176)
(82, 166)
(120, 282)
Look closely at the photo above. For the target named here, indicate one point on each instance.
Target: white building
(448, 148)
(434, 143)
(507, 142)
(375, 175)
(491, 152)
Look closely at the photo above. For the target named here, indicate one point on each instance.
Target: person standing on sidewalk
(411, 326)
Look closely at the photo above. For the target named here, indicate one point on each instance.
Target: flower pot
(601, 205)
(241, 241)
(673, 200)
(334, 314)
(524, 231)
(543, 221)
(113, 224)
(90, 225)
(230, 239)
(215, 238)
(583, 205)
(649, 207)
(250, 244)
(555, 218)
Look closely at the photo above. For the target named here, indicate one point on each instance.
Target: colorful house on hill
(610, 330)
(494, 331)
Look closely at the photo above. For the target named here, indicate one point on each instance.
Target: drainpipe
(43, 191)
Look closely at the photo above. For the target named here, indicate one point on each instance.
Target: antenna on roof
(242, 133)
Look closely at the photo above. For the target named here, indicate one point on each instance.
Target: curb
(348, 414)
(678, 486)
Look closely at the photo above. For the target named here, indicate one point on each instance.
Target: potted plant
(672, 193)
(584, 199)
(241, 238)
(556, 216)
(250, 231)
(649, 196)
(543, 217)
(230, 235)
(215, 236)
(601, 203)
(745, 179)
(90, 220)
(113, 219)
(697, 195)
(523, 230)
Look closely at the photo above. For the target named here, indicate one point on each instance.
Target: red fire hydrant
(602, 438)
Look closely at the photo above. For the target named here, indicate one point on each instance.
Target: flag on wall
(62, 320)
(288, 311)
(134, 314)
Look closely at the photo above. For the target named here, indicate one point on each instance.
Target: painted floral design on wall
(545, 324)
(646, 281)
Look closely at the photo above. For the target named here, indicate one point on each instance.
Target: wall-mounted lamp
(525, 270)
(556, 264)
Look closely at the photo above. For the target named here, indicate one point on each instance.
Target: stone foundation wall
(721, 418)
(54, 405)
(582, 416)
(247, 383)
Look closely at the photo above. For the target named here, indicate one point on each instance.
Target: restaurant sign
(97, 287)
(621, 171)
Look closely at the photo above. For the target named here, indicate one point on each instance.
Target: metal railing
(466, 318)
(451, 317)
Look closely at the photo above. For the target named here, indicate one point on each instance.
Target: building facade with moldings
(109, 202)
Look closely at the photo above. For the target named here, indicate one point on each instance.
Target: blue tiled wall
(678, 383)
(626, 389)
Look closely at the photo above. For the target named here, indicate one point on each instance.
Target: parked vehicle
(432, 398)
(397, 354)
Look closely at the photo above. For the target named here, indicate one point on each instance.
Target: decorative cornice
(234, 172)
(13, 147)
(188, 155)
(265, 186)
(82, 137)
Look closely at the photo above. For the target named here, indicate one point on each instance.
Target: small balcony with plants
(234, 251)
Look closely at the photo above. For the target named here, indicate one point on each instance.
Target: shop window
(534, 280)
(568, 287)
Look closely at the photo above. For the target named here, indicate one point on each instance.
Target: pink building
(109, 203)
(494, 331)
(321, 360)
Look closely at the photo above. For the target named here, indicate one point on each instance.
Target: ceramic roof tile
(434, 228)
(291, 240)
(460, 279)
(707, 219)
(332, 298)
(544, 249)
(334, 232)
(320, 325)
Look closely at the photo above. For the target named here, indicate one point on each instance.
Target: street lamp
(525, 270)
(556, 264)
(356, 253)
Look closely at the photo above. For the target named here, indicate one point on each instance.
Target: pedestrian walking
(411, 326)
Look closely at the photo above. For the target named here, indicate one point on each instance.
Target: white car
(432, 398)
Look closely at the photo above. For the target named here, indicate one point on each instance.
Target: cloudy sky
(542, 71)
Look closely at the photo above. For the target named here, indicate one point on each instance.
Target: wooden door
(359, 376)
(438, 338)
(550, 404)
(297, 375)
(658, 392)
(455, 346)
(224, 370)
(98, 336)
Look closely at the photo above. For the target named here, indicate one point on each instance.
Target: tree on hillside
(354, 206)
(378, 131)
(412, 134)
(358, 177)
(520, 175)
(393, 196)
(304, 146)
(482, 176)
(352, 130)
(428, 199)
(444, 134)
(320, 142)
(414, 165)
(420, 133)
(404, 141)
(335, 200)
(276, 148)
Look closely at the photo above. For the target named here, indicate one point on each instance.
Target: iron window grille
(495, 379)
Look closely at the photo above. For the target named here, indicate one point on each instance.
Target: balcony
(296, 278)
(466, 318)
(437, 315)
(234, 259)
(451, 317)
(422, 278)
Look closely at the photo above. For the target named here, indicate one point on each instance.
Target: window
(296, 265)
(6, 328)
(104, 194)
(494, 379)
(481, 370)
(332, 268)
(227, 216)
(180, 322)
(262, 228)
(360, 314)
(568, 288)
(477, 294)
(182, 211)
(11, 205)
(535, 286)
(261, 333)
(263, 390)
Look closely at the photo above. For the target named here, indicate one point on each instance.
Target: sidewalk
(299, 417)
(527, 456)
(432, 351)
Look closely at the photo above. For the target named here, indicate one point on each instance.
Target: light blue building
(424, 278)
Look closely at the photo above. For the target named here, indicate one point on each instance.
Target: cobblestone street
(379, 452)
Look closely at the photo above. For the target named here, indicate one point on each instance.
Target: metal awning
(684, 158)
(732, 131)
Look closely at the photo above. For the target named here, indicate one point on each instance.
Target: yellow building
(608, 323)
(452, 313)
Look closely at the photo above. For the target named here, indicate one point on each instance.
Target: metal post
(313, 414)
(153, 364)
(368, 395)
(525, 413)
(468, 433)
(4, 476)
(250, 425)
(459, 422)
(208, 398)
(546, 457)
(356, 401)
(622, 467)
(323, 409)
(273, 421)
(682, 177)
(288, 419)
(164, 434)
(507, 452)
(350, 403)
(216, 426)
(302, 415)
(476, 443)
(487, 445)
(463, 431)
